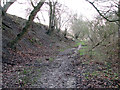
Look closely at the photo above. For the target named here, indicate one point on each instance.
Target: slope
(35, 45)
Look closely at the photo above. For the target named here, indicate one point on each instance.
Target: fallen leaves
(97, 74)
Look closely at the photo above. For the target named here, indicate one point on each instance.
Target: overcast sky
(81, 7)
(78, 6)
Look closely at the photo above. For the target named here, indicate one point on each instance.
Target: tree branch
(101, 13)
(101, 41)
(28, 24)
(7, 5)
(32, 4)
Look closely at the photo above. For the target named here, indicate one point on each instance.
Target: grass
(79, 42)
(25, 73)
(35, 80)
(51, 59)
(35, 40)
(87, 62)
(95, 73)
(61, 50)
(85, 49)
(28, 78)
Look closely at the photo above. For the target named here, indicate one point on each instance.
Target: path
(60, 73)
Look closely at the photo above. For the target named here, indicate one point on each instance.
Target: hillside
(35, 45)
(76, 49)
(43, 61)
(35, 39)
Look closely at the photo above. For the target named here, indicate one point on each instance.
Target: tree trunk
(28, 24)
(51, 17)
(54, 7)
(7, 5)
(0, 41)
(65, 33)
(119, 38)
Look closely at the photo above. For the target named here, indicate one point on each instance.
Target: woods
(50, 44)
(116, 12)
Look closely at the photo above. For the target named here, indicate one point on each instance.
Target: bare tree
(28, 24)
(58, 16)
(52, 9)
(113, 4)
(63, 17)
(7, 5)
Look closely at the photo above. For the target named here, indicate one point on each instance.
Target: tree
(52, 6)
(62, 18)
(119, 28)
(56, 11)
(116, 11)
(32, 4)
(1, 44)
(58, 17)
(100, 31)
(28, 24)
(79, 27)
(6, 6)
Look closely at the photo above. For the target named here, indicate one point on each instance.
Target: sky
(81, 7)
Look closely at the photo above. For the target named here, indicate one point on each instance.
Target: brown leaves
(96, 74)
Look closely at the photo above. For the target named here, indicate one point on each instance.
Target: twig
(101, 41)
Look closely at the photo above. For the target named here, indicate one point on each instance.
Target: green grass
(25, 76)
(95, 73)
(34, 80)
(35, 40)
(61, 50)
(79, 42)
(87, 77)
(87, 62)
(84, 49)
(26, 71)
(51, 59)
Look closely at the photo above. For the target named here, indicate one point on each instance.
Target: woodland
(70, 52)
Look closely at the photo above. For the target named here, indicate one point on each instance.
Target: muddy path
(60, 73)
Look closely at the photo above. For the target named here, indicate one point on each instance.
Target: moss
(51, 59)
(35, 40)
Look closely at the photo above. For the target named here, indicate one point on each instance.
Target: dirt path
(59, 74)
(67, 70)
